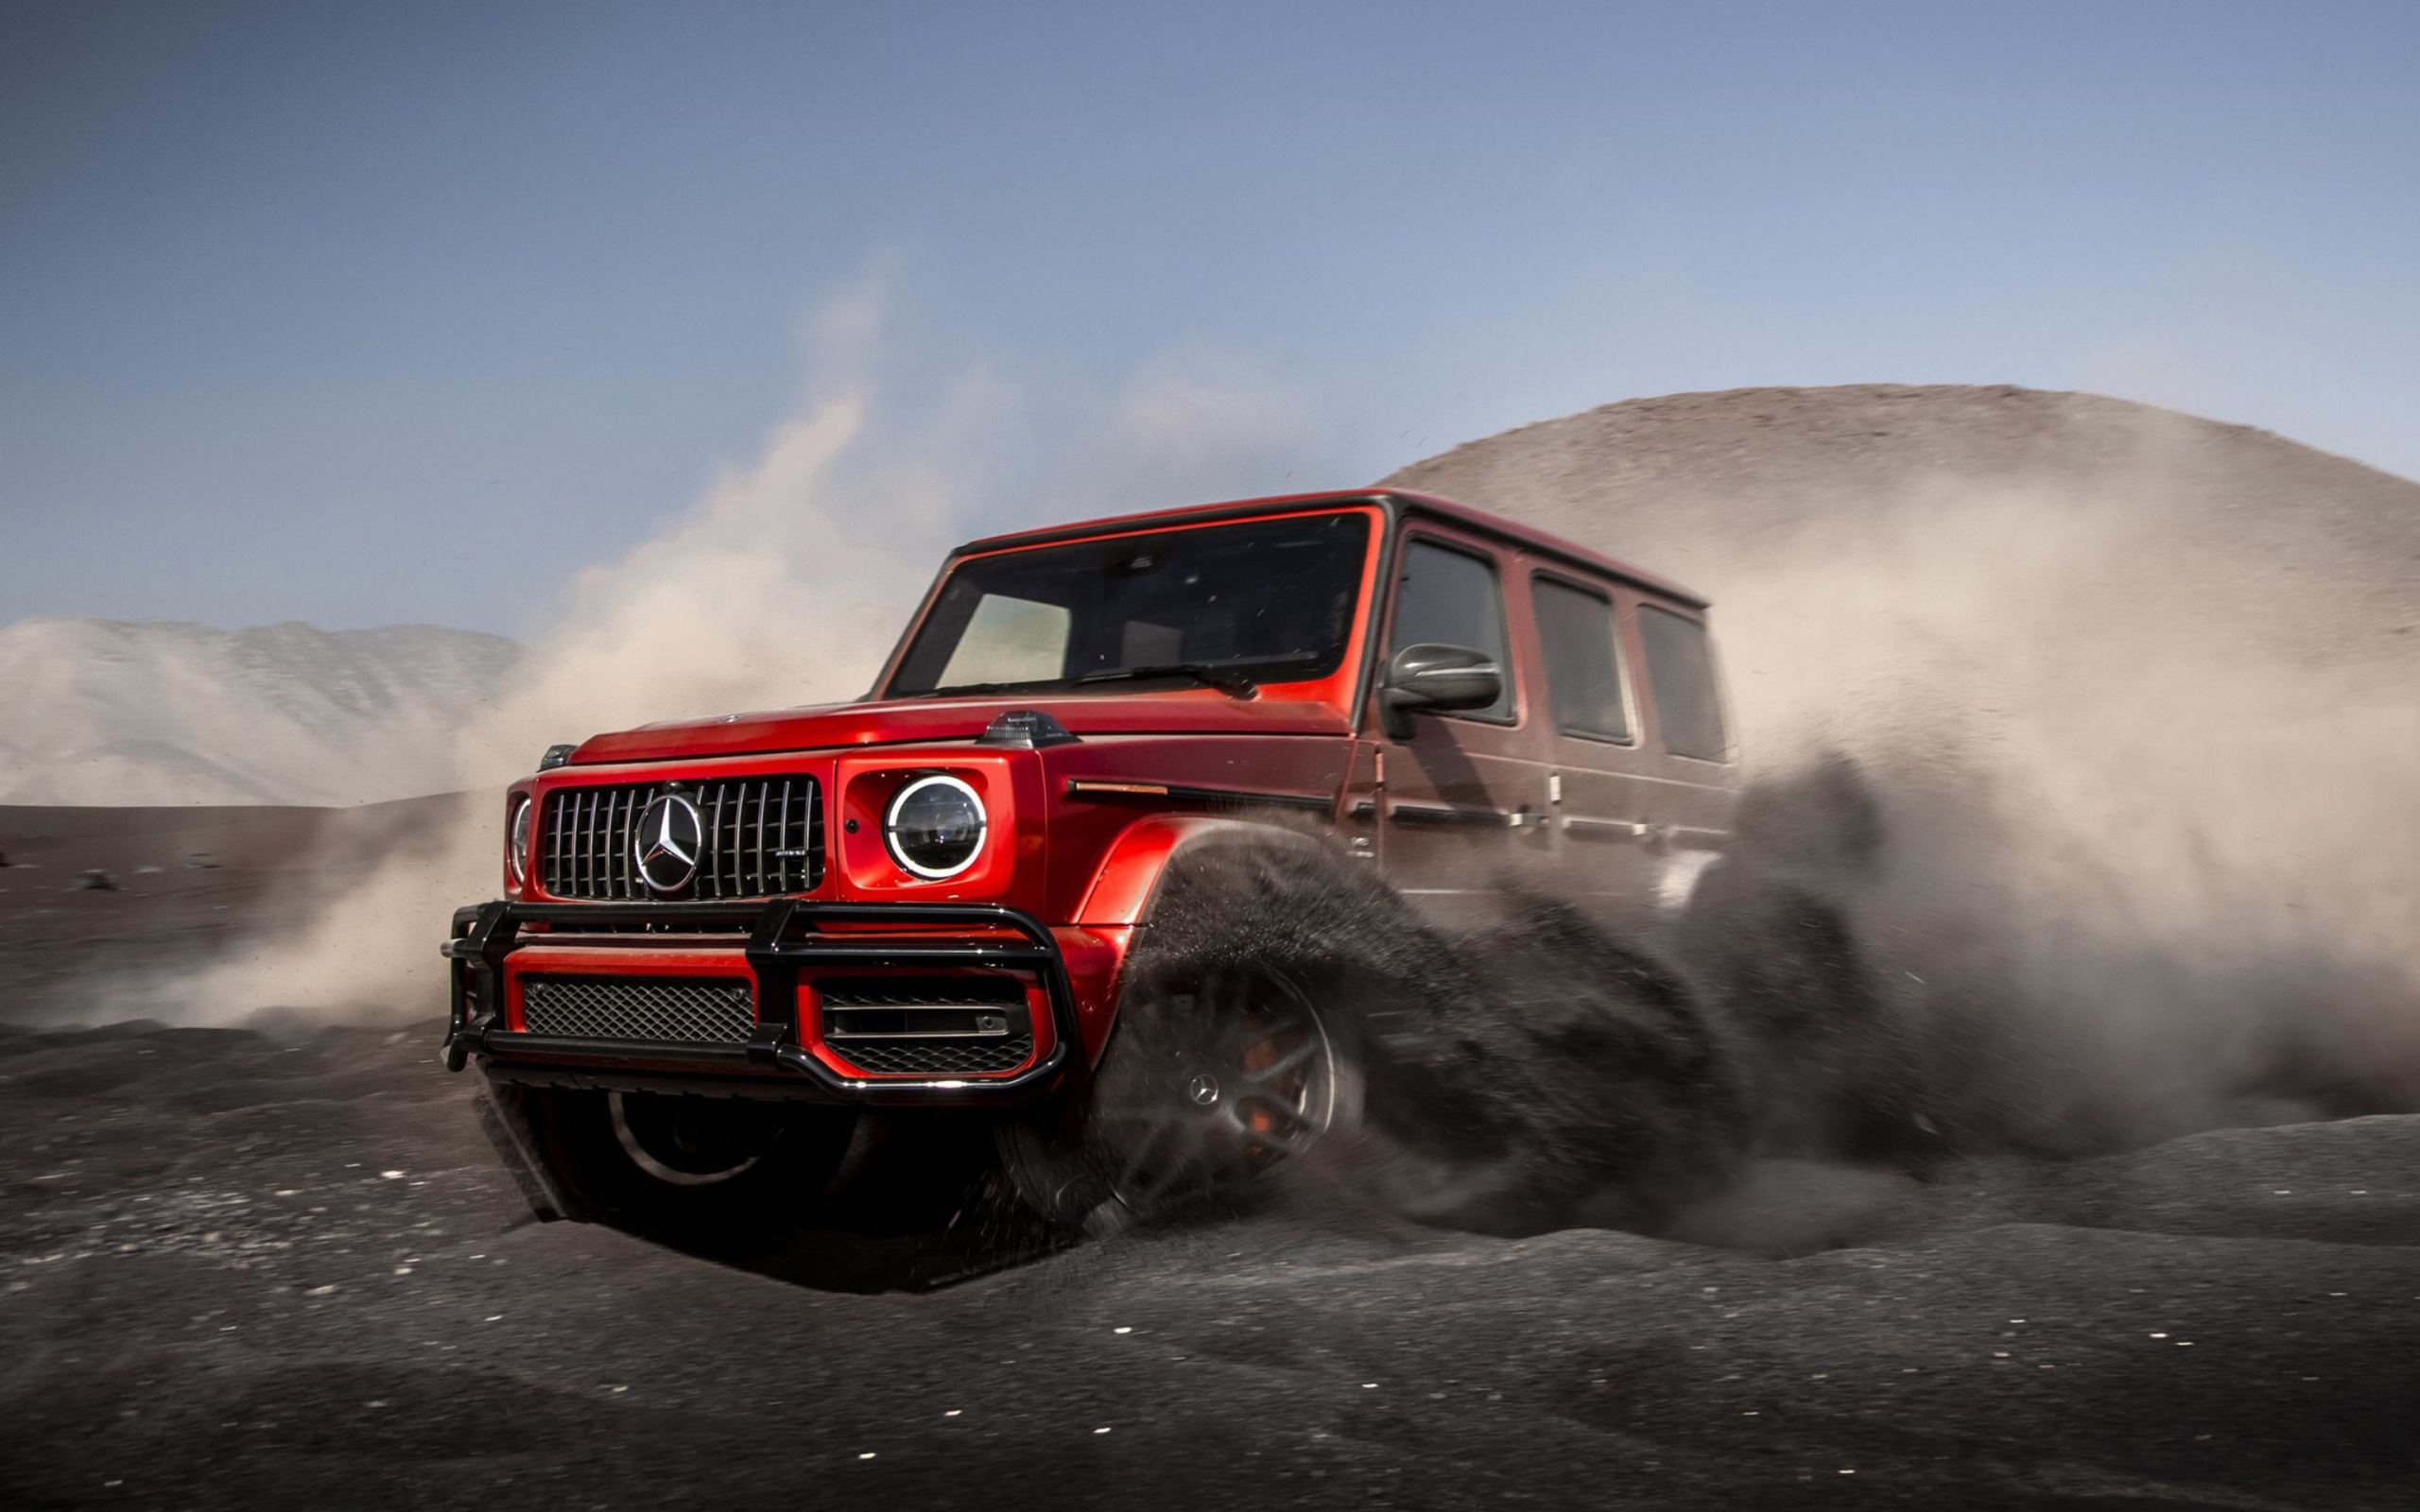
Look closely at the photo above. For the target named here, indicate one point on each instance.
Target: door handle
(1609, 829)
(1444, 814)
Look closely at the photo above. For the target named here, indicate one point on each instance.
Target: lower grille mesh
(898, 1050)
(936, 1057)
(675, 1010)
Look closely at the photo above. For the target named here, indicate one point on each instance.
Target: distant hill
(1717, 489)
(105, 712)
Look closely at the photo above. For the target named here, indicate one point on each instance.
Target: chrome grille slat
(738, 817)
(659, 1010)
(633, 887)
(617, 833)
(758, 848)
(617, 840)
(739, 807)
(731, 848)
(746, 838)
(584, 820)
(601, 844)
(782, 837)
(589, 847)
(617, 805)
(710, 882)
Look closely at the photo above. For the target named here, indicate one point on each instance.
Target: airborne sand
(2138, 695)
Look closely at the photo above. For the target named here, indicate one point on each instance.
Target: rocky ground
(94, 896)
(241, 1273)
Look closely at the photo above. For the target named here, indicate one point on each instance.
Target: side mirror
(1436, 677)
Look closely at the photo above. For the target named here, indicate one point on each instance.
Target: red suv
(722, 939)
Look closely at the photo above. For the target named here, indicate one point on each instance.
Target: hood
(1203, 712)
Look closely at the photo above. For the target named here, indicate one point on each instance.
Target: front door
(1465, 803)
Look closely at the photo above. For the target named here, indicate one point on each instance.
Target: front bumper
(785, 937)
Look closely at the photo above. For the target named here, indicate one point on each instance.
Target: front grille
(927, 1027)
(677, 1011)
(760, 836)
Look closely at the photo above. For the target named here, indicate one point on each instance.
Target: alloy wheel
(1221, 1079)
(690, 1142)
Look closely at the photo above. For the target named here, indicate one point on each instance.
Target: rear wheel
(700, 1168)
(1208, 1084)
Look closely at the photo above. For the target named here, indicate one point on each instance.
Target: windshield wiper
(970, 690)
(1226, 679)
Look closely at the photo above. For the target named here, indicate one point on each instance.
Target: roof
(1527, 537)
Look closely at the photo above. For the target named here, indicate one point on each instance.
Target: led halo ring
(890, 824)
(516, 842)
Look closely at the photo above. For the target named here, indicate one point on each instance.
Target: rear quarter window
(1681, 680)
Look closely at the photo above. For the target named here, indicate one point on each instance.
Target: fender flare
(1124, 889)
(1126, 885)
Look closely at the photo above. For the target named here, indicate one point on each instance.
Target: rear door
(1603, 774)
(1466, 796)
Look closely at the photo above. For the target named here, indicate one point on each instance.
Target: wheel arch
(1127, 884)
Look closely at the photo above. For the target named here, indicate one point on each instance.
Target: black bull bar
(785, 935)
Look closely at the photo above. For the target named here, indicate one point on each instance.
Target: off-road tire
(701, 1169)
(1210, 1081)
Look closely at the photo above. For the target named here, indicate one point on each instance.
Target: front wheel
(689, 1168)
(1208, 1084)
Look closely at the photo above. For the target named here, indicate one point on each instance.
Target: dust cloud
(2081, 791)
(769, 591)
(2134, 866)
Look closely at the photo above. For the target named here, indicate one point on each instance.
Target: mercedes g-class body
(720, 938)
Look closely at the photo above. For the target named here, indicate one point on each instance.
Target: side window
(1680, 676)
(1584, 651)
(1453, 598)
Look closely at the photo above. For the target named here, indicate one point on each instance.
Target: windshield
(1268, 600)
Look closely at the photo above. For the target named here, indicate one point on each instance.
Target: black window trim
(1416, 535)
(1730, 756)
(1621, 661)
(886, 688)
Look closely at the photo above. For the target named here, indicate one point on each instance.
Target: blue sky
(362, 314)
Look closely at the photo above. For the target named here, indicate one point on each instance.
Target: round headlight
(516, 849)
(934, 827)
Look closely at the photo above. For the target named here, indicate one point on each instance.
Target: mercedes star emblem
(666, 845)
